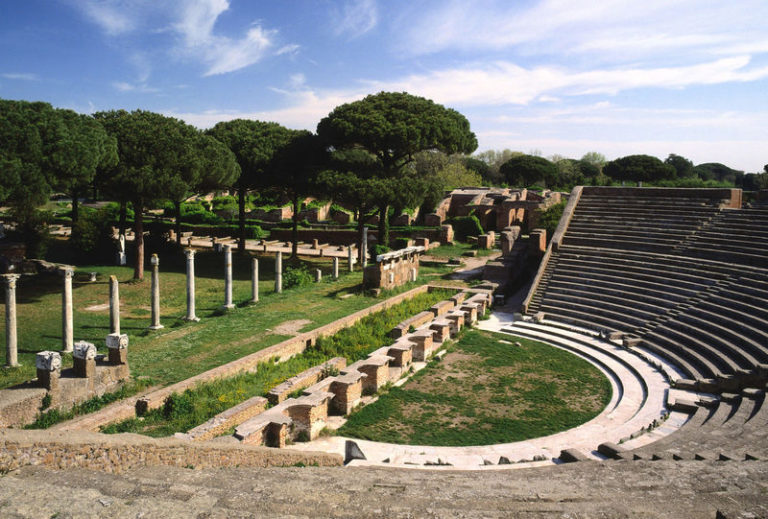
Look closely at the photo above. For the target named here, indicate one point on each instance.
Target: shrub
(195, 212)
(551, 217)
(113, 210)
(31, 229)
(224, 202)
(297, 277)
(178, 405)
(464, 226)
(92, 234)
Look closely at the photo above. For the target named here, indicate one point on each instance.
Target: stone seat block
(442, 327)
(572, 455)
(441, 308)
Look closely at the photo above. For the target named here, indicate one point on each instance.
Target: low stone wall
(123, 452)
(305, 379)
(283, 350)
(226, 420)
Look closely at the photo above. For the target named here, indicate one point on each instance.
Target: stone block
(433, 220)
(610, 450)
(48, 364)
(84, 359)
(117, 348)
(572, 455)
(443, 329)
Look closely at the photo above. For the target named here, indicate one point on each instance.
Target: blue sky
(558, 76)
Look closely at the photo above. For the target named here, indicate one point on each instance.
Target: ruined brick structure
(393, 269)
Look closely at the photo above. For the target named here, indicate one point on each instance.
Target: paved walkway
(639, 395)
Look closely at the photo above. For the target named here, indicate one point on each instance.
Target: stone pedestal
(117, 348)
(155, 297)
(335, 268)
(11, 341)
(191, 287)
(84, 359)
(67, 324)
(227, 278)
(254, 280)
(279, 272)
(114, 305)
(48, 364)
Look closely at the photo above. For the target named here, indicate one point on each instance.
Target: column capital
(10, 279)
(67, 272)
(190, 253)
(154, 260)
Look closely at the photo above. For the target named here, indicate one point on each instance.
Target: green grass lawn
(485, 392)
(193, 407)
(181, 349)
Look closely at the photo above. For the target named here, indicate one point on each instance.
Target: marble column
(364, 249)
(67, 323)
(279, 272)
(335, 267)
(155, 298)
(318, 275)
(11, 340)
(254, 280)
(114, 305)
(191, 286)
(351, 259)
(228, 278)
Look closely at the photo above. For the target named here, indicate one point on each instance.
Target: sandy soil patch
(289, 327)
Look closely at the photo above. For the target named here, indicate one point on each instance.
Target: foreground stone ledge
(123, 452)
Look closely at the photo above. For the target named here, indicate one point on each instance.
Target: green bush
(195, 212)
(224, 202)
(550, 218)
(113, 210)
(178, 405)
(31, 229)
(297, 277)
(92, 234)
(464, 226)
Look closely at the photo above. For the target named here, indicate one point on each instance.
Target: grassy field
(484, 392)
(193, 407)
(182, 349)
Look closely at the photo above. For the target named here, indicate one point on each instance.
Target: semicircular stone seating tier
(678, 275)
(638, 403)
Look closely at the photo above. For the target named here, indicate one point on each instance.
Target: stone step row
(304, 417)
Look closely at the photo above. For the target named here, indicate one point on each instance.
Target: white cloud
(20, 76)
(112, 16)
(502, 83)
(614, 30)
(193, 23)
(141, 88)
(356, 18)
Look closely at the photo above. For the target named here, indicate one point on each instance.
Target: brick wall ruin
(393, 269)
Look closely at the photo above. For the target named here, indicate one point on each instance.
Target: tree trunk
(295, 231)
(360, 230)
(384, 226)
(177, 205)
(121, 221)
(241, 210)
(75, 207)
(138, 230)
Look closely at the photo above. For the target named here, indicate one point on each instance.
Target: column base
(227, 307)
(155, 327)
(12, 366)
(193, 319)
